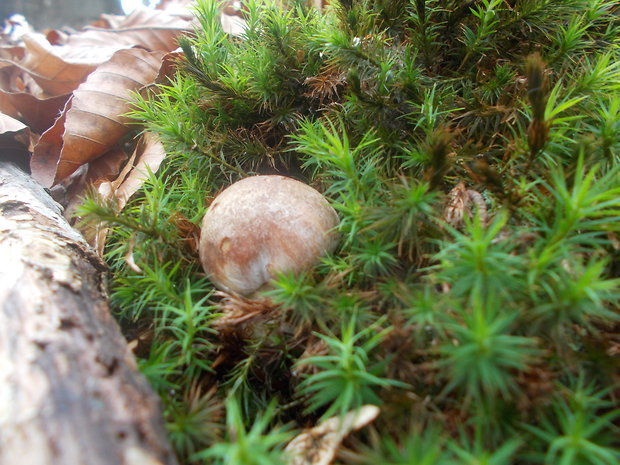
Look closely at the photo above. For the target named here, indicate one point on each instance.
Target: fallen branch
(69, 390)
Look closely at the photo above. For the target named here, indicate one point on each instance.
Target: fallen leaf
(460, 203)
(93, 120)
(107, 166)
(14, 140)
(10, 125)
(14, 79)
(59, 70)
(109, 21)
(38, 113)
(15, 151)
(169, 64)
(146, 158)
(12, 52)
(146, 28)
(319, 445)
(44, 161)
(104, 169)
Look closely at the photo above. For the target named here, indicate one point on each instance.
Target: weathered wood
(69, 390)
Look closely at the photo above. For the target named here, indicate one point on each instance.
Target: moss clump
(471, 150)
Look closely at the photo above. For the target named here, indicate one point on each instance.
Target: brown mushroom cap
(261, 226)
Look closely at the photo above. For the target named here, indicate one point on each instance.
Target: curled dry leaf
(11, 52)
(70, 190)
(10, 125)
(188, 232)
(146, 158)
(14, 140)
(58, 70)
(39, 114)
(460, 203)
(43, 165)
(319, 445)
(314, 347)
(92, 121)
(146, 28)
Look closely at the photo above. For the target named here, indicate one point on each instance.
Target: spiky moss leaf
(386, 107)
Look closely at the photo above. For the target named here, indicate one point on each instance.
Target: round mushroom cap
(261, 226)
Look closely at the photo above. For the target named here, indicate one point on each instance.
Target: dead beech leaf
(15, 80)
(319, 445)
(106, 167)
(14, 140)
(94, 121)
(233, 24)
(70, 190)
(43, 165)
(12, 52)
(13, 150)
(59, 70)
(108, 21)
(147, 157)
(168, 66)
(146, 28)
(129, 259)
(10, 125)
(38, 114)
(182, 8)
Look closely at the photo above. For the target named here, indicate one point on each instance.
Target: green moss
(471, 150)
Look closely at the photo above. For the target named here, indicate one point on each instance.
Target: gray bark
(69, 390)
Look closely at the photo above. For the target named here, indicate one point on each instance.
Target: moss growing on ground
(471, 150)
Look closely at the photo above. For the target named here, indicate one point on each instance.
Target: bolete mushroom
(261, 226)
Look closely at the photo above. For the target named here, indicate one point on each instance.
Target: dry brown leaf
(69, 192)
(460, 203)
(38, 114)
(319, 445)
(147, 157)
(106, 167)
(107, 21)
(233, 24)
(13, 150)
(93, 118)
(10, 125)
(183, 8)
(14, 140)
(169, 65)
(47, 150)
(59, 70)
(129, 259)
(12, 52)
(146, 28)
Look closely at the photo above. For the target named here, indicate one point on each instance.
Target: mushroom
(261, 226)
